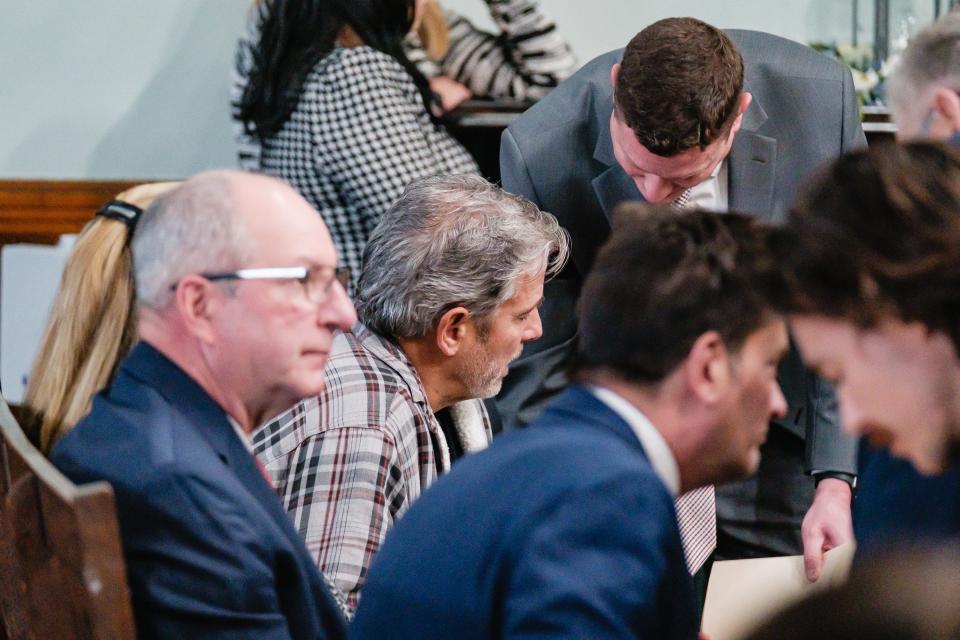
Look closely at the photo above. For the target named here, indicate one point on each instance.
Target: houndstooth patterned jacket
(358, 136)
(349, 462)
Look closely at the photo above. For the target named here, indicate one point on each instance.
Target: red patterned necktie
(697, 517)
(697, 509)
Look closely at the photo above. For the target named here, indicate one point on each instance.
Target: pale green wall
(115, 88)
(611, 23)
(596, 26)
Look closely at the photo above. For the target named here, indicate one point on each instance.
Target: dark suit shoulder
(562, 521)
(767, 54)
(608, 485)
(118, 441)
(568, 109)
(555, 461)
(159, 471)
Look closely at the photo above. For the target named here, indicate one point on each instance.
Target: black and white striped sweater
(527, 59)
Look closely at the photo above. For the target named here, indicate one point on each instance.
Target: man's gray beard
(480, 382)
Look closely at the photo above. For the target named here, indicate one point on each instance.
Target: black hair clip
(125, 212)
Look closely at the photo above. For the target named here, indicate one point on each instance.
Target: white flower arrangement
(866, 75)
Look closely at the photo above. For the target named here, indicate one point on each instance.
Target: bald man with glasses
(236, 315)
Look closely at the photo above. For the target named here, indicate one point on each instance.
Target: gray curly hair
(451, 241)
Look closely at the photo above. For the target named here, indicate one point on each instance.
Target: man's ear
(614, 72)
(947, 103)
(745, 99)
(198, 301)
(452, 329)
(707, 368)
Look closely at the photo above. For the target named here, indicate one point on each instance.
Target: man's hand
(827, 524)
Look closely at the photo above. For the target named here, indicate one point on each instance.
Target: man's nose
(851, 418)
(338, 310)
(534, 328)
(655, 189)
(778, 402)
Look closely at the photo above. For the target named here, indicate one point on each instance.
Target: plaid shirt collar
(390, 354)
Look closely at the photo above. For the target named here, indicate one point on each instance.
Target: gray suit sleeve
(541, 371)
(853, 136)
(828, 447)
(513, 170)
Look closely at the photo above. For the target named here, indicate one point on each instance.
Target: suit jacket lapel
(204, 416)
(579, 408)
(613, 186)
(752, 165)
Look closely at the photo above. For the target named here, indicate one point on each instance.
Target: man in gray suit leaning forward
(691, 114)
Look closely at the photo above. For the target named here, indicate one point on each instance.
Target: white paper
(742, 594)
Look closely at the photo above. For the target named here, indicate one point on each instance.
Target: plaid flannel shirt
(349, 462)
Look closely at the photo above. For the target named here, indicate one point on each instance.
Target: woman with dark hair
(327, 100)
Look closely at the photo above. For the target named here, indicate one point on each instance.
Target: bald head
(216, 221)
(212, 261)
(277, 218)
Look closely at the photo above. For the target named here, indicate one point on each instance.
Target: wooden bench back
(61, 563)
(40, 211)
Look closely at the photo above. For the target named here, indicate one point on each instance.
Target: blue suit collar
(578, 406)
(612, 186)
(153, 369)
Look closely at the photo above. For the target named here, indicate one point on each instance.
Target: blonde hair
(433, 31)
(91, 326)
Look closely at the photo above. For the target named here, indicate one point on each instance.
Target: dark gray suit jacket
(559, 155)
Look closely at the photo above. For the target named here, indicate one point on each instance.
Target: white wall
(596, 26)
(138, 88)
(115, 88)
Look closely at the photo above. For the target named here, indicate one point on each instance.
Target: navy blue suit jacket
(895, 504)
(559, 530)
(210, 552)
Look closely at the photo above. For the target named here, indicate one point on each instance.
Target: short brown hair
(663, 279)
(877, 234)
(679, 84)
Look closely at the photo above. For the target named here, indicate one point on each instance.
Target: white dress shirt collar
(244, 437)
(656, 448)
(711, 193)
